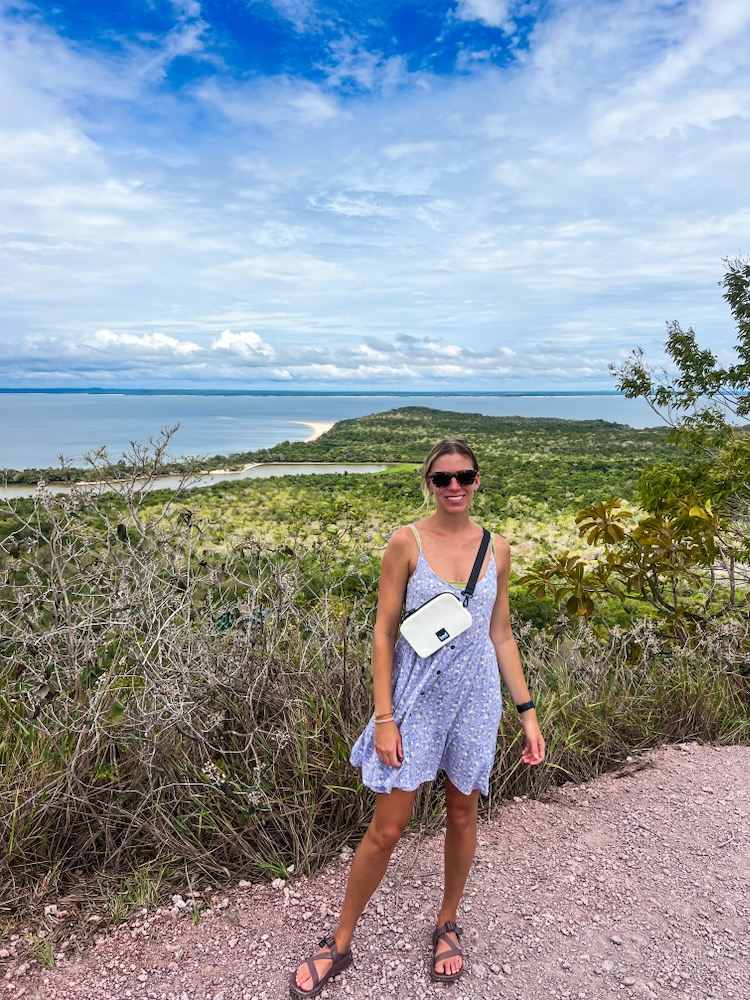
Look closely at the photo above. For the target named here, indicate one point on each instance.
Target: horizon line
(164, 390)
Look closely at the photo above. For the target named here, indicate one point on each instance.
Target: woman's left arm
(509, 659)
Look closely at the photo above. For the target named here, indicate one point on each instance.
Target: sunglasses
(464, 478)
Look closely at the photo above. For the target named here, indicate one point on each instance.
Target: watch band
(525, 706)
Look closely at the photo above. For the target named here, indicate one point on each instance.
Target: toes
(447, 966)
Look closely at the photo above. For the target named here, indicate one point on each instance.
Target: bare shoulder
(401, 540)
(401, 550)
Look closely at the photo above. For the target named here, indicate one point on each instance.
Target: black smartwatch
(525, 707)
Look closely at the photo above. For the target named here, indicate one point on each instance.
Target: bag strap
(468, 591)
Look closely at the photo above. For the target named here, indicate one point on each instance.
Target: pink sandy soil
(632, 885)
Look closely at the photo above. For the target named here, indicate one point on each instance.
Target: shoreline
(318, 427)
(206, 478)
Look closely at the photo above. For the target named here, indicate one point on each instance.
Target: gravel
(632, 885)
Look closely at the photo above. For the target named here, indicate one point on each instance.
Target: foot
(450, 965)
(303, 977)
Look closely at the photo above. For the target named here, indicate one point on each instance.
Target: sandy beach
(318, 427)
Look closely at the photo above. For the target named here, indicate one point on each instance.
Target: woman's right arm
(394, 575)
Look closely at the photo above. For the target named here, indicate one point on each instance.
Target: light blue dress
(448, 705)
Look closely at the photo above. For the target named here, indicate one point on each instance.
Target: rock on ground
(633, 885)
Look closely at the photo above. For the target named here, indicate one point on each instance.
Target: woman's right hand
(388, 745)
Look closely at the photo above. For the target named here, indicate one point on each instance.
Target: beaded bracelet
(379, 721)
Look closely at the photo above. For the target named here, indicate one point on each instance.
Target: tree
(695, 534)
(698, 377)
(701, 404)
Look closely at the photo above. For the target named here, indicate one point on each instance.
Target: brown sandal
(441, 934)
(340, 962)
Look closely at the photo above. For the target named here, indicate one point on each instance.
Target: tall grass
(187, 713)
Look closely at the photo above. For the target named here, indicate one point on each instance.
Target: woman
(440, 712)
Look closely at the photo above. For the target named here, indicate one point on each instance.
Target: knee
(385, 836)
(462, 817)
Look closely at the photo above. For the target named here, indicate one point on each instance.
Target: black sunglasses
(464, 478)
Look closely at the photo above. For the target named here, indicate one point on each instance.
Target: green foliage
(703, 392)
(659, 559)
(701, 402)
(537, 609)
(665, 482)
(686, 557)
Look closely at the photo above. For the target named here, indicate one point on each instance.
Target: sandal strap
(452, 950)
(313, 971)
(448, 953)
(448, 926)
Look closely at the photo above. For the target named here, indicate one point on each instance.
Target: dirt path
(635, 885)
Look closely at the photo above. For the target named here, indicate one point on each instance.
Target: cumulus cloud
(246, 344)
(144, 343)
(231, 356)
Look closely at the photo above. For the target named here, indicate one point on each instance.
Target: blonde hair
(448, 446)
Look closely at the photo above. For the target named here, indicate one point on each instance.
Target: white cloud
(299, 12)
(145, 343)
(233, 357)
(493, 13)
(372, 71)
(245, 343)
(355, 204)
(370, 353)
(273, 102)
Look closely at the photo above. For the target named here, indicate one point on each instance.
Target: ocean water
(36, 427)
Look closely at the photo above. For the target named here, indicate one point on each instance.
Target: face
(453, 497)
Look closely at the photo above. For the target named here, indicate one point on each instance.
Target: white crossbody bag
(428, 627)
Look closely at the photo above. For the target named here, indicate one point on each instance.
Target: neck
(448, 523)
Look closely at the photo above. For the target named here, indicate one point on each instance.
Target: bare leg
(392, 812)
(460, 846)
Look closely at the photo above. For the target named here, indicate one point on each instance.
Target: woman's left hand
(533, 747)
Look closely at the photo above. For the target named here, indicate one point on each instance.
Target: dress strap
(417, 536)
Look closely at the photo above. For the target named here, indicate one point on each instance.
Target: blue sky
(478, 194)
